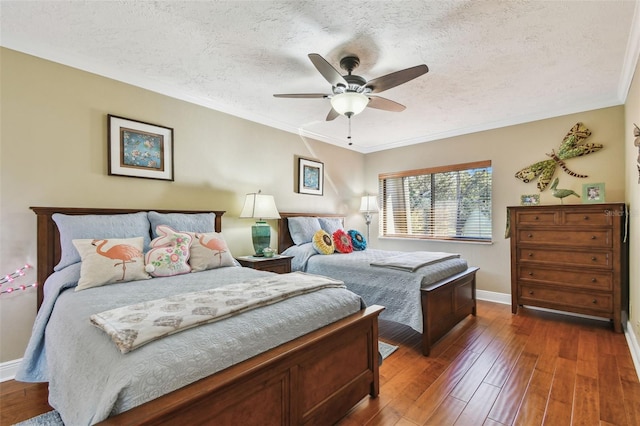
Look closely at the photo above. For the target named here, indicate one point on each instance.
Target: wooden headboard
(284, 236)
(48, 237)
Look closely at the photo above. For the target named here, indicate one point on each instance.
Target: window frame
(432, 171)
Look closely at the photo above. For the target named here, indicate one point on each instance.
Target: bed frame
(314, 379)
(444, 303)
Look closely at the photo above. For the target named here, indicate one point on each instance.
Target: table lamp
(260, 206)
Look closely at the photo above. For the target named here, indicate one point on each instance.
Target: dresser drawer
(597, 302)
(600, 259)
(585, 279)
(562, 237)
(587, 218)
(536, 218)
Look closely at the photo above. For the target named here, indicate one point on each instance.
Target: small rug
(52, 418)
(386, 349)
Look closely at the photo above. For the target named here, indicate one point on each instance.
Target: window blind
(448, 203)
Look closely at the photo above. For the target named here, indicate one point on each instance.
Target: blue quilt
(89, 379)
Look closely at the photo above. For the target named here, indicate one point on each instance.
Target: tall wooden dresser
(570, 258)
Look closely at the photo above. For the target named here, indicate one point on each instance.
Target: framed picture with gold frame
(139, 149)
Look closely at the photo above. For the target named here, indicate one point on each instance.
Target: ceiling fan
(351, 94)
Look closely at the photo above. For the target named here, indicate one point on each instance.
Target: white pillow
(107, 261)
(302, 229)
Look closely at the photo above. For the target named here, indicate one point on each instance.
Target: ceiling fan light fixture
(349, 103)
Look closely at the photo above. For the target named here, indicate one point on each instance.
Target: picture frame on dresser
(139, 149)
(593, 193)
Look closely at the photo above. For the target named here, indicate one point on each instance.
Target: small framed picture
(530, 200)
(310, 177)
(593, 193)
(139, 149)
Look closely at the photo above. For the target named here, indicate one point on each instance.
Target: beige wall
(53, 153)
(510, 149)
(632, 115)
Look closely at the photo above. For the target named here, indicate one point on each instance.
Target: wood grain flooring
(534, 368)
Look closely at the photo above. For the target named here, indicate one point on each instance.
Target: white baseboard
(493, 296)
(634, 348)
(8, 369)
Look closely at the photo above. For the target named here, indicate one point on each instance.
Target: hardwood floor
(534, 368)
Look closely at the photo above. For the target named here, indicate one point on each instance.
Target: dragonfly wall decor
(571, 146)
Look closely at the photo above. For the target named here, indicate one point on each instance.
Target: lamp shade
(369, 203)
(259, 206)
(349, 103)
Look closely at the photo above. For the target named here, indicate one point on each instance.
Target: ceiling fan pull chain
(349, 135)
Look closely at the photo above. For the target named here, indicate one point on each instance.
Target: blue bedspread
(398, 291)
(89, 379)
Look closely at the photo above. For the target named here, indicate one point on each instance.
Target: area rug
(52, 418)
(386, 349)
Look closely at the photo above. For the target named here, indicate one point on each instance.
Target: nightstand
(278, 264)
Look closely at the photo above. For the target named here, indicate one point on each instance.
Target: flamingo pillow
(209, 251)
(169, 253)
(112, 260)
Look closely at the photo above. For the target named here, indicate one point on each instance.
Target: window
(444, 203)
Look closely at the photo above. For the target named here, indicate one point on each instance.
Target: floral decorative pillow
(169, 253)
(209, 251)
(357, 240)
(342, 241)
(323, 243)
(107, 261)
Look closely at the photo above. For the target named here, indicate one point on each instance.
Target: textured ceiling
(492, 63)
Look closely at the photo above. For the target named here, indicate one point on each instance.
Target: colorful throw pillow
(169, 253)
(107, 261)
(342, 241)
(209, 251)
(357, 240)
(322, 242)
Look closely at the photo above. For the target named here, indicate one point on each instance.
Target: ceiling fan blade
(327, 70)
(301, 95)
(378, 102)
(332, 114)
(397, 78)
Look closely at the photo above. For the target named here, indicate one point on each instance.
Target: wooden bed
(444, 303)
(314, 379)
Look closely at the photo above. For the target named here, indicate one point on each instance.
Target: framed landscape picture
(139, 149)
(310, 177)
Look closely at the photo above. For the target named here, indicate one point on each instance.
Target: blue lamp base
(261, 236)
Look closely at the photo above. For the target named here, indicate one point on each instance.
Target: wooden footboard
(446, 303)
(315, 379)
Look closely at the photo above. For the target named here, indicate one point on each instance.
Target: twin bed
(431, 299)
(304, 360)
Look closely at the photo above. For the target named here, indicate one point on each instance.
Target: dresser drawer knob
(530, 274)
(594, 301)
(531, 292)
(593, 237)
(530, 254)
(594, 258)
(593, 280)
(535, 218)
(530, 235)
(586, 218)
